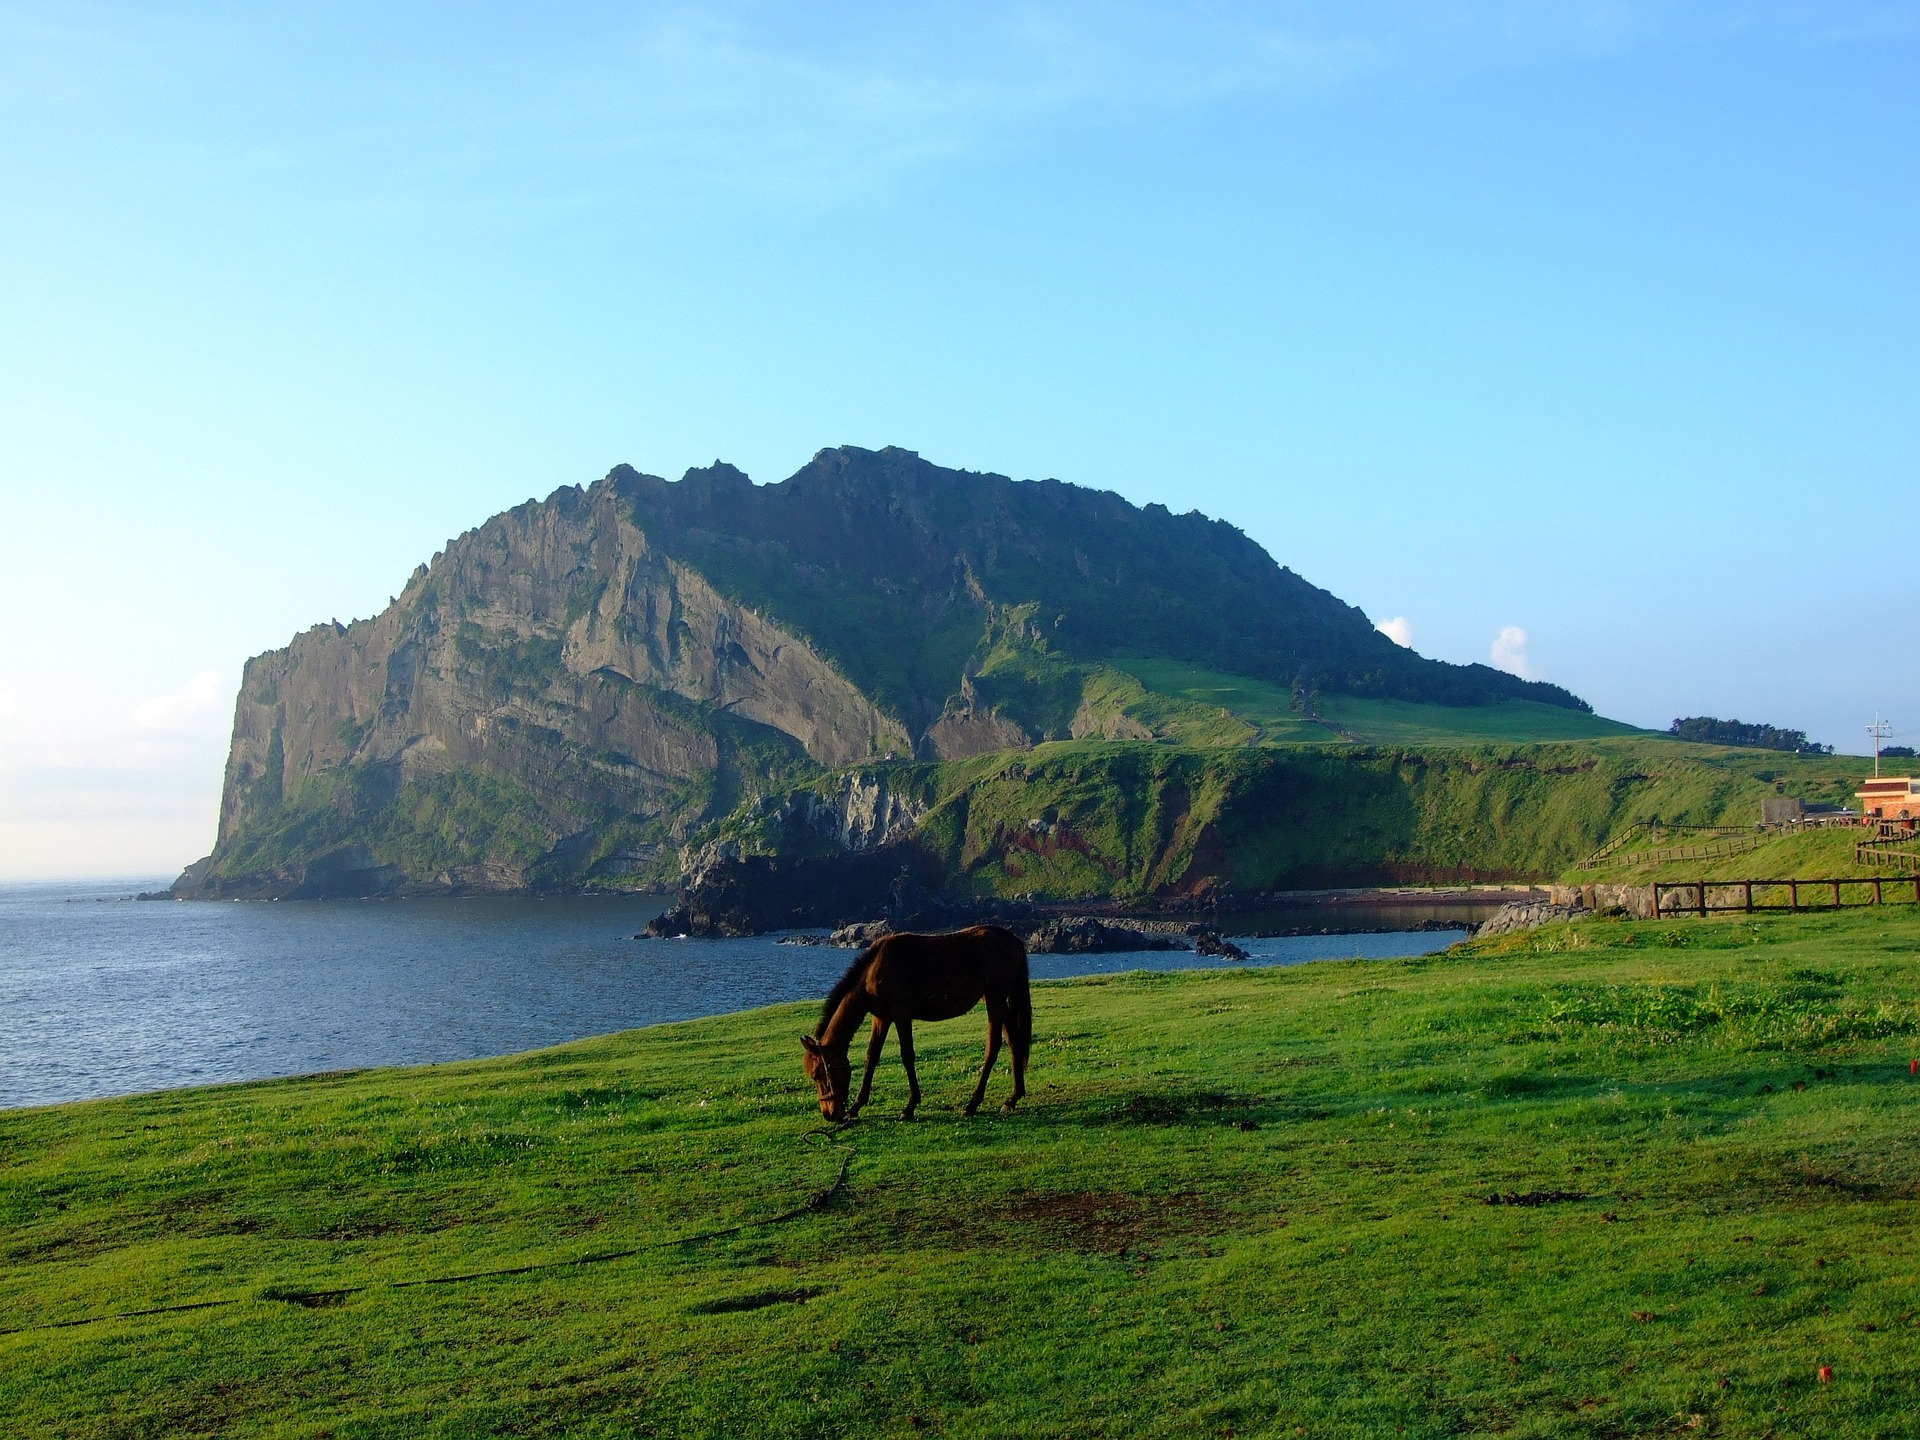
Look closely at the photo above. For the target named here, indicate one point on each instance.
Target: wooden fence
(1736, 840)
(1699, 897)
(1736, 844)
(1881, 849)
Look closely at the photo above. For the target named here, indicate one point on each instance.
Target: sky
(1577, 338)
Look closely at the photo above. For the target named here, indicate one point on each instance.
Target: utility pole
(1879, 731)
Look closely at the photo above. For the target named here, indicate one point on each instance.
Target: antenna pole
(1879, 730)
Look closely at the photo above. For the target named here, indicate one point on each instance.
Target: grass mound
(1601, 1179)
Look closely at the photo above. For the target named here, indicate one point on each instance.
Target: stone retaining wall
(1636, 900)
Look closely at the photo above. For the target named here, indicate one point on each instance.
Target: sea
(102, 994)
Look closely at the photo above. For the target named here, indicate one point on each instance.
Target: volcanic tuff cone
(573, 690)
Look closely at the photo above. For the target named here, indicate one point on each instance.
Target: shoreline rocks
(1529, 915)
(1061, 935)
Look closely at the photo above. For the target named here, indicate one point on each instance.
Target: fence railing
(1821, 822)
(1881, 851)
(1737, 844)
(1713, 897)
(1741, 837)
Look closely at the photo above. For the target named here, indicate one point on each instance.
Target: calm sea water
(102, 995)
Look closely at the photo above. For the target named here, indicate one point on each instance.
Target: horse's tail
(1020, 1013)
(1019, 993)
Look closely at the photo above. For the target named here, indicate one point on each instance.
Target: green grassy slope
(1809, 855)
(1238, 1202)
(1273, 710)
(1400, 722)
(1114, 818)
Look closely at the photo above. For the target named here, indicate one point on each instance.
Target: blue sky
(1590, 321)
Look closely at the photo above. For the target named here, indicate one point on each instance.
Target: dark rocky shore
(1067, 935)
(855, 899)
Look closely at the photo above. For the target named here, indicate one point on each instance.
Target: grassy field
(1241, 1202)
(1270, 708)
(1809, 855)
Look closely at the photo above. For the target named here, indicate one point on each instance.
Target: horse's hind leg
(913, 1076)
(875, 1043)
(996, 1022)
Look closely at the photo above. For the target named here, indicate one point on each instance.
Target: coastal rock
(749, 895)
(1528, 915)
(1212, 942)
(1085, 935)
(848, 937)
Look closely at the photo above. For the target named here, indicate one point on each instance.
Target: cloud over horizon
(1510, 652)
(88, 791)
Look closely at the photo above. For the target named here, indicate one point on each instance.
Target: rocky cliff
(571, 692)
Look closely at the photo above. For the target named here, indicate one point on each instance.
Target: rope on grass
(812, 1205)
(121, 1315)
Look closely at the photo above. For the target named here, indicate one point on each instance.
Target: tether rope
(813, 1204)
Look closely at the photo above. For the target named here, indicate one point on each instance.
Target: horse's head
(831, 1073)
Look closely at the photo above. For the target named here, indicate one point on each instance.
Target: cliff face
(554, 654)
(571, 692)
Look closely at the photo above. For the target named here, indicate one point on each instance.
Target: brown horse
(903, 978)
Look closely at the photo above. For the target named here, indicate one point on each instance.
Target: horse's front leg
(995, 1023)
(875, 1042)
(913, 1076)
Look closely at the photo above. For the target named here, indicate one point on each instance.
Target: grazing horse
(903, 978)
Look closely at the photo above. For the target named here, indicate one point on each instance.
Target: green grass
(1271, 709)
(1084, 818)
(1246, 1202)
(1809, 855)
(1268, 708)
(1399, 722)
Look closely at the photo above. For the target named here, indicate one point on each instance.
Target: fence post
(1793, 895)
(1836, 894)
(1703, 897)
(1749, 885)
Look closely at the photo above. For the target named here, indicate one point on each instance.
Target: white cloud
(1510, 652)
(1399, 630)
(190, 709)
(90, 787)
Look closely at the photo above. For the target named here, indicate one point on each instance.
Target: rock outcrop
(747, 895)
(1528, 915)
(554, 655)
(1087, 935)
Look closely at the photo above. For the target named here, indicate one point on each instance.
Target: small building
(1782, 810)
(1778, 810)
(1892, 797)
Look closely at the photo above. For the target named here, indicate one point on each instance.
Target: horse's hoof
(907, 1114)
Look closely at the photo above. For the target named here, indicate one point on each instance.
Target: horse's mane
(842, 988)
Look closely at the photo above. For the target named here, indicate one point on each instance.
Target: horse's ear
(813, 1045)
